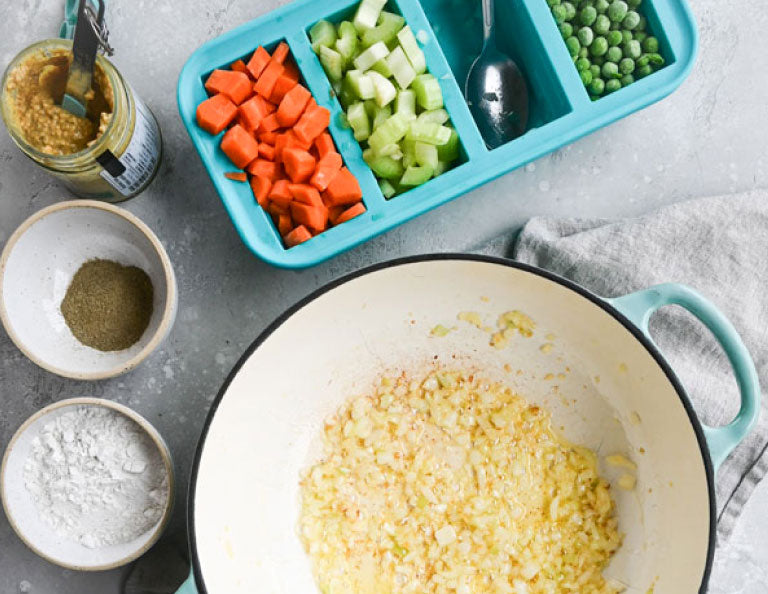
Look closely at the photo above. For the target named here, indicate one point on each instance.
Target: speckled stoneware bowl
(37, 266)
(38, 535)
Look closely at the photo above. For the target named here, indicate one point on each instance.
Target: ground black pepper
(107, 305)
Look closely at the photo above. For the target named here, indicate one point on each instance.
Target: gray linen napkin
(718, 246)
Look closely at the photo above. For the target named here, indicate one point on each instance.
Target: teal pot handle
(189, 586)
(638, 308)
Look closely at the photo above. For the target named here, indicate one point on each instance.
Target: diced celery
(322, 33)
(371, 55)
(360, 83)
(386, 29)
(426, 154)
(401, 68)
(436, 116)
(442, 167)
(384, 91)
(387, 188)
(332, 62)
(428, 92)
(429, 132)
(409, 152)
(369, 155)
(382, 68)
(391, 150)
(358, 119)
(346, 44)
(416, 175)
(449, 151)
(412, 50)
(367, 14)
(381, 115)
(387, 167)
(405, 103)
(390, 131)
(346, 95)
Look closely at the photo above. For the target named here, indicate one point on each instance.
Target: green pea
(643, 24)
(602, 6)
(643, 60)
(584, 52)
(599, 46)
(643, 71)
(627, 80)
(612, 86)
(614, 38)
(570, 11)
(602, 25)
(588, 15)
(583, 64)
(559, 12)
(599, 60)
(615, 26)
(614, 54)
(586, 77)
(553, 2)
(656, 60)
(651, 45)
(573, 46)
(594, 70)
(640, 36)
(626, 36)
(631, 21)
(634, 3)
(627, 66)
(586, 36)
(610, 70)
(566, 30)
(633, 50)
(597, 86)
(617, 10)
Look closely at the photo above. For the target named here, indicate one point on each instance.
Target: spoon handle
(487, 19)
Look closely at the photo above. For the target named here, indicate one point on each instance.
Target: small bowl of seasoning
(87, 290)
(87, 484)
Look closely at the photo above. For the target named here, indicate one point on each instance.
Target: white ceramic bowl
(38, 535)
(37, 266)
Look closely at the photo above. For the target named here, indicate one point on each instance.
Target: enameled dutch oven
(616, 394)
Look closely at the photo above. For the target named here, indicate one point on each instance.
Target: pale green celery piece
(412, 50)
(381, 115)
(442, 167)
(416, 175)
(368, 14)
(360, 83)
(382, 68)
(358, 120)
(346, 46)
(370, 56)
(383, 89)
(449, 151)
(428, 132)
(426, 154)
(347, 95)
(409, 152)
(386, 29)
(322, 33)
(368, 155)
(387, 188)
(405, 103)
(401, 68)
(387, 167)
(391, 150)
(428, 92)
(332, 62)
(436, 116)
(389, 132)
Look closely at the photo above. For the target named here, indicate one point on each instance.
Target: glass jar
(123, 159)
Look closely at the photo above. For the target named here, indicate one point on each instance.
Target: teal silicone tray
(561, 110)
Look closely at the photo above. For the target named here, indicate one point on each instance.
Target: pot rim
(581, 291)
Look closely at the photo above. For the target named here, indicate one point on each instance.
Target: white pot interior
(266, 427)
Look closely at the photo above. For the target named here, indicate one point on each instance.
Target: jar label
(140, 158)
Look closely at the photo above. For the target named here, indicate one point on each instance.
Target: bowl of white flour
(87, 484)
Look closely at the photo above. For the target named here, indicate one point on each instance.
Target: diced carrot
(239, 146)
(312, 123)
(251, 113)
(312, 104)
(284, 224)
(327, 168)
(350, 213)
(344, 189)
(287, 140)
(264, 168)
(216, 113)
(299, 235)
(306, 194)
(334, 212)
(282, 86)
(239, 66)
(292, 105)
(275, 208)
(258, 62)
(281, 193)
(260, 186)
(299, 164)
(268, 137)
(267, 151)
(324, 144)
(236, 176)
(280, 53)
(291, 70)
(235, 85)
(266, 106)
(268, 78)
(315, 217)
(269, 123)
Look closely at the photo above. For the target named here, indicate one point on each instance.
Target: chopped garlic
(445, 536)
(621, 461)
(627, 482)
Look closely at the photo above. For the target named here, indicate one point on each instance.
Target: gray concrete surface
(707, 138)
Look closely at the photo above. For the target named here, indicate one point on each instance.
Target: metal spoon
(496, 91)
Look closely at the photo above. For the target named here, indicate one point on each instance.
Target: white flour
(96, 477)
